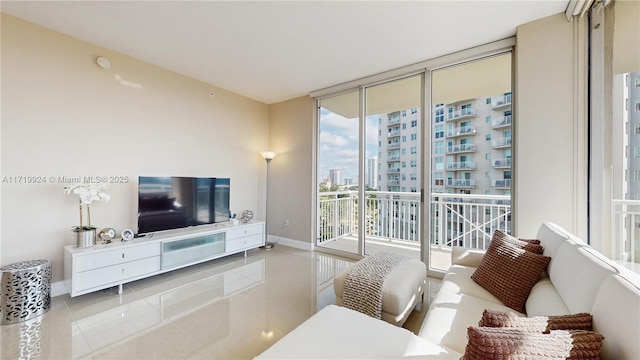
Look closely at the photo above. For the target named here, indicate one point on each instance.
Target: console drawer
(244, 242)
(247, 230)
(95, 260)
(115, 273)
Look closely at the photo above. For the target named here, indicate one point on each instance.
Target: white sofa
(578, 279)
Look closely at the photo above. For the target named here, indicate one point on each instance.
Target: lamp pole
(268, 156)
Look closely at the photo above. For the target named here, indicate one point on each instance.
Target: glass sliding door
(338, 172)
(393, 139)
(470, 171)
(369, 169)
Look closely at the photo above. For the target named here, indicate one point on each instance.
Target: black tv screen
(166, 203)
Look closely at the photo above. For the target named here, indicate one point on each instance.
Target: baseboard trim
(58, 288)
(297, 244)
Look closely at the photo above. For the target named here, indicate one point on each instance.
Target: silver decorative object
(247, 215)
(25, 291)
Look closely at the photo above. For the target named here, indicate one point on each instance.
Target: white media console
(103, 266)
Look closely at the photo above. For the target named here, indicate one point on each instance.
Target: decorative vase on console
(87, 193)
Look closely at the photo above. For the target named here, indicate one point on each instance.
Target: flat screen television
(166, 203)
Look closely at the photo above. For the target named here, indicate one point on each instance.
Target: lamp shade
(268, 155)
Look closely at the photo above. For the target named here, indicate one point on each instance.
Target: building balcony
(462, 114)
(393, 170)
(461, 131)
(501, 143)
(394, 133)
(393, 158)
(462, 148)
(501, 102)
(393, 182)
(393, 220)
(501, 183)
(504, 163)
(393, 146)
(461, 183)
(394, 120)
(463, 165)
(501, 122)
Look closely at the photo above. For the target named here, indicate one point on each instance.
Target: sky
(339, 144)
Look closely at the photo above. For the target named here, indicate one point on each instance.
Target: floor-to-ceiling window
(418, 159)
(371, 153)
(473, 102)
(614, 198)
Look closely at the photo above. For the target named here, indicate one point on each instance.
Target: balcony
(626, 232)
(501, 183)
(464, 165)
(466, 113)
(394, 133)
(501, 143)
(461, 131)
(393, 146)
(393, 170)
(461, 183)
(394, 120)
(392, 222)
(393, 158)
(462, 148)
(501, 122)
(504, 163)
(501, 102)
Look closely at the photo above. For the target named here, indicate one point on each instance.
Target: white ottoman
(402, 290)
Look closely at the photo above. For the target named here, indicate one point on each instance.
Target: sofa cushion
(458, 280)
(508, 343)
(539, 324)
(509, 273)
(616, 311)
(575, 264)
(526, 244)
(551, 236)
(449, 316)
(544, 299)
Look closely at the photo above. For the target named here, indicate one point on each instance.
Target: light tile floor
(229, 308)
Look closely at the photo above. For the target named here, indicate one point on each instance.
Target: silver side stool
(25, 291)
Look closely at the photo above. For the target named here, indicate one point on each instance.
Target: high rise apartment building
(470, 148)
(399, 151)
(372, 173)
(335, 175)
(631, 114)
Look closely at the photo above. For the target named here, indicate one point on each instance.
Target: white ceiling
(273, 51)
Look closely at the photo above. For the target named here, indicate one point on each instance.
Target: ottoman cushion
(401, 289)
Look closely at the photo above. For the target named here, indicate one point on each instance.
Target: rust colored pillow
(509, 272)
(508, 343)
(526, 244)
(539, 324)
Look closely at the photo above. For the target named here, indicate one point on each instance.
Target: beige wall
(291, 180)
(62, 115)
(550, 172)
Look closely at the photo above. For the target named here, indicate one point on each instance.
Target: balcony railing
(501, 122)
(502, 101)
(393, 146)
(464, 165)
(394, 133)
(501, 163)
(461, 183)
(501, 142)
(394, 120)
(626, 233)
(461, 131)
(501, 183)
(462, 148)
(456, 219)
(462, 114)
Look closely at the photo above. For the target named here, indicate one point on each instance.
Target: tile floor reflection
(229, 308)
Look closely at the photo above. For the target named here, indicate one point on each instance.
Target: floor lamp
(268, 156)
